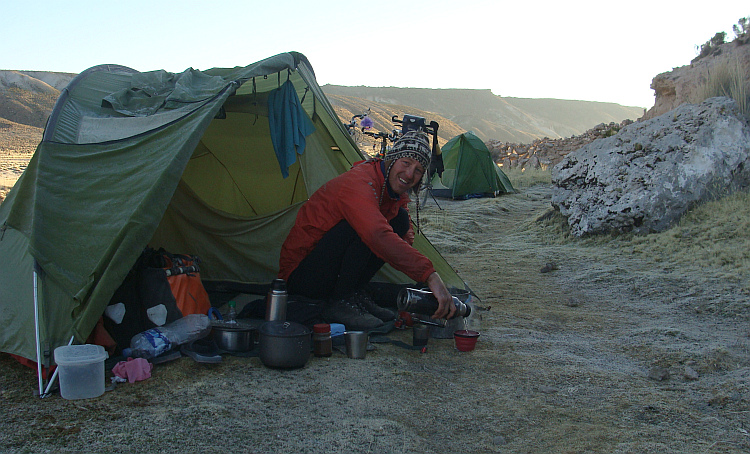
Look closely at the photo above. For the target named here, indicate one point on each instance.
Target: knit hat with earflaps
(413, 144)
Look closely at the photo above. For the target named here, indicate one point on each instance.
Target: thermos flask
(424, 302)
(276, 301)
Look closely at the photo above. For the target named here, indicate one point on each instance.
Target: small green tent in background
(213, 163)
(469, 170)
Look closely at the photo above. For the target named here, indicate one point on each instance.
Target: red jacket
(354, 196)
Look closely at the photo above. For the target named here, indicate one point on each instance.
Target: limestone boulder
(650, 173)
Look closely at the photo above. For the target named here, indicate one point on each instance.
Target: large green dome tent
(213, 163)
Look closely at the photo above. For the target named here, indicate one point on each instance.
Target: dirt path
(612, 350)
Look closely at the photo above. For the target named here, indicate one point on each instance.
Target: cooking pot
(233, 337)
(284, 345)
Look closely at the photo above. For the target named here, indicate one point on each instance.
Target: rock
(690, 373)
(682, 85)
(658, 373)
(650, 173)
(499, 440)
(551, 266)
(544, 153)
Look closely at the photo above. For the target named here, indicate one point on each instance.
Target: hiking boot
(351, 315)
(369, 305)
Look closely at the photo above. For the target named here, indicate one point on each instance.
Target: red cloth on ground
(134, 369)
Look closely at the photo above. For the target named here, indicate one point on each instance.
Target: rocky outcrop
(650, 173)
(546, 153)
(681, 85)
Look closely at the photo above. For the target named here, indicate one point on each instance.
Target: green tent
(469, 170)
(193, 162)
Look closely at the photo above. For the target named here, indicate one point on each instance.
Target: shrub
(711, 46)
(742, 29)
(741, 36)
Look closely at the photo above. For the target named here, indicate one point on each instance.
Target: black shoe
(351, 315)
(368, 304)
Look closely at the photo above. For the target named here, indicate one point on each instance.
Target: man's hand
(446, 308)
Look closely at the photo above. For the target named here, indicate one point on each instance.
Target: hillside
(27, 97)
(491, 117)
(381, 114)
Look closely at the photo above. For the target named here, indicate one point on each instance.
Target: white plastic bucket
(81, 370)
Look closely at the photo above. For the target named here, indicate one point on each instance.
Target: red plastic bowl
(466, 340)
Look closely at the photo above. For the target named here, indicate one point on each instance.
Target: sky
(581, 50)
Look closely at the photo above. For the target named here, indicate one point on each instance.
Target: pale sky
(583, 50)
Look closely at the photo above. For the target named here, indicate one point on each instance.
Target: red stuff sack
(181, 273)
(188, 291)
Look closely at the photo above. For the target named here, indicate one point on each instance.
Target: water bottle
(155, 341)
(231, 316)
(424, 302)
(276, 301)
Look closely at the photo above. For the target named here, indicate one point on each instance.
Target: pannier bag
(160, 288)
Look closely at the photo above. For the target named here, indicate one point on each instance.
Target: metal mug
(356, 344)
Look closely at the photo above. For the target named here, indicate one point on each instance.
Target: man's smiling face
(405, 174)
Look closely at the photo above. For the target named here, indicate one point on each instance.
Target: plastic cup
(466, 340)
(421, 334)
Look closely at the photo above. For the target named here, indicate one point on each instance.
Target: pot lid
(282, 328)
(228, 326)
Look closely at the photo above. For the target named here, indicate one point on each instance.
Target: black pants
(341, 263)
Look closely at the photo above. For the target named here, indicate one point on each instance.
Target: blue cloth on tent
(289, 125)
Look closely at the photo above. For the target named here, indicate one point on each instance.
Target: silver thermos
(424, 302)
(276, 301)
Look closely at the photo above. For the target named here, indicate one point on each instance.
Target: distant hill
(27, 98)
(490, 117)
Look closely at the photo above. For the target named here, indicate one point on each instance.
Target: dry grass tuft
(526, 178)
(728, 79)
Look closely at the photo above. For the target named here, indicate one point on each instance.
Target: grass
(726, 79)
(526, 178)
(713, 236)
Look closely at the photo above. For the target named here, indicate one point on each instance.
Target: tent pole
(42, 391)
(38, 343)
(54, 374)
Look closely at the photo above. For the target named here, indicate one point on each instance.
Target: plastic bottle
(276, 301)
(231, 316)
(322, 342)
(155, 341)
